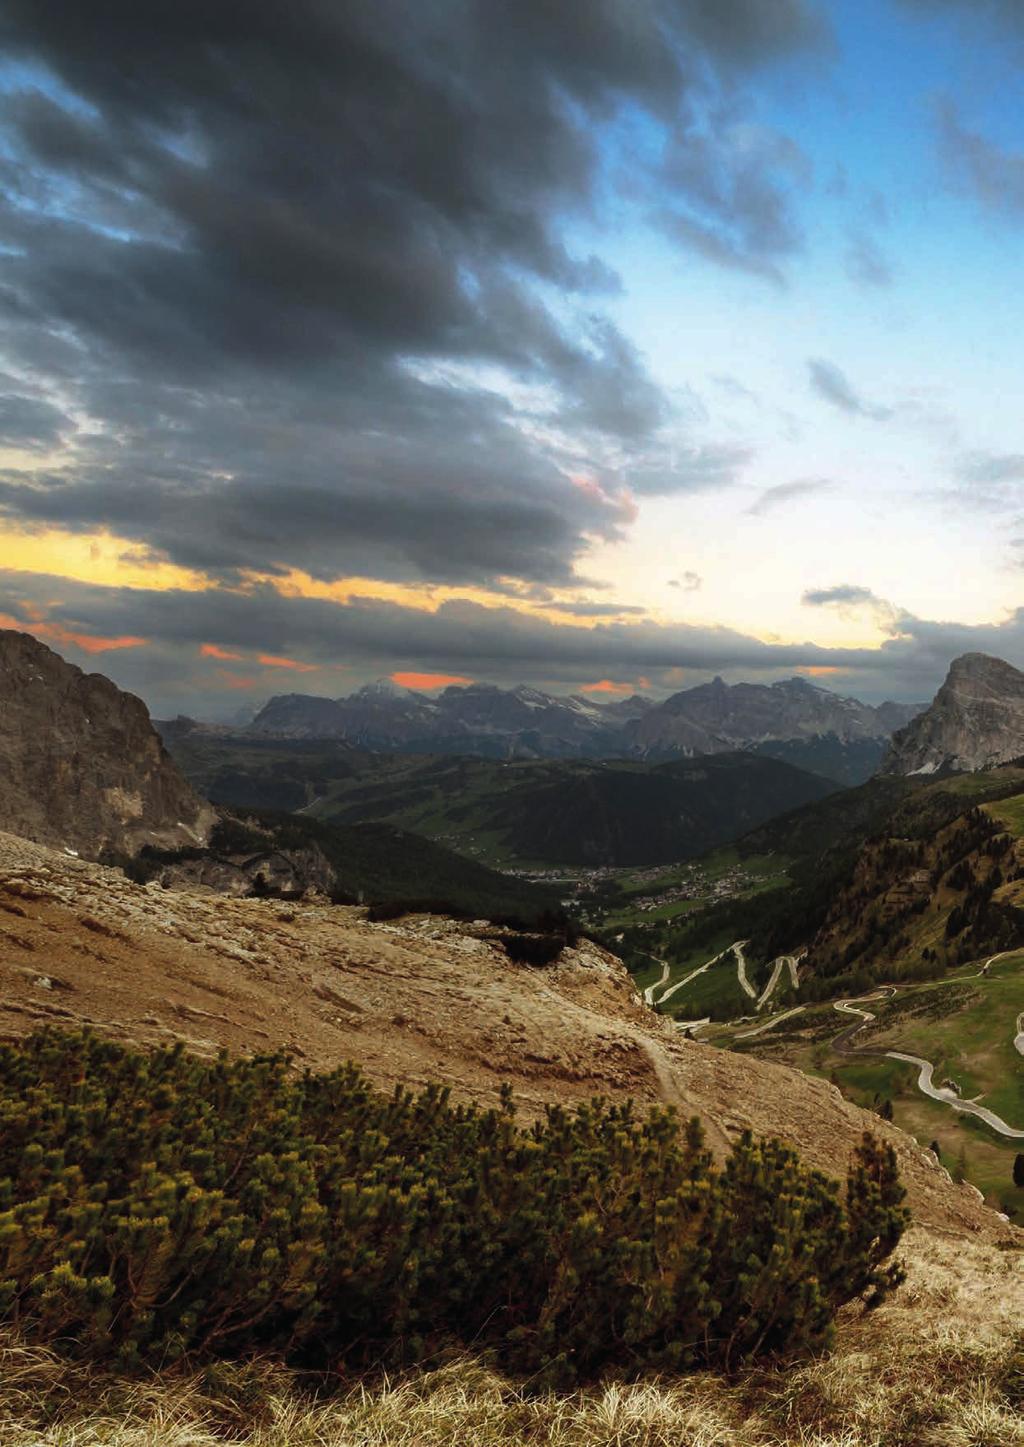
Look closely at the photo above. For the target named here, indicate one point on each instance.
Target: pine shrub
(155, 1206)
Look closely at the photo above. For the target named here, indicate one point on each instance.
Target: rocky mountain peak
(81, 766)
(385, 688)
(976, 721)
(982, 668)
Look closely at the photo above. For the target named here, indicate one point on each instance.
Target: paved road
(926, 1085)
(770, 1024)
(741, 968)
(665, 971)
(773, 980)
(925, 1082)
(731, 949)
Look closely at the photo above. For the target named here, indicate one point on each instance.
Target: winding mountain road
(736, 948)
(666, 970)
(770, 1024)
(925, 1080)
(778, 966)
(741, 969)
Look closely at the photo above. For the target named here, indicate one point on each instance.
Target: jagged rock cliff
(976, 721)
(81, 766)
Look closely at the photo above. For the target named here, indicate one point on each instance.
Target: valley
(513, 956)
(758, 935)
(513, 814)
(511, 724)
(940, 1054)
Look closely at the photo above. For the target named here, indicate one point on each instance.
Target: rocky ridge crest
(976, 721)
(81, 766)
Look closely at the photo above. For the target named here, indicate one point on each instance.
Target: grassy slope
(962, 1024)
(968, 1040)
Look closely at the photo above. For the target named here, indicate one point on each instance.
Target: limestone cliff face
(81, 766)
(976, 721)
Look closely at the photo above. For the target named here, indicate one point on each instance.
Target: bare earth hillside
(420, 999)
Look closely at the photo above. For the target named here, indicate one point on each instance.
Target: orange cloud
(237, 680)
(90, 644)
(213, 650)
(274, 660)
(605, 685)
(56, 633)
(427, 680)
(820, 670)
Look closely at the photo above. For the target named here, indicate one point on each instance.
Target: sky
(605, 346)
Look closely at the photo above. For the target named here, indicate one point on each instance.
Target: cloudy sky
(606, 344)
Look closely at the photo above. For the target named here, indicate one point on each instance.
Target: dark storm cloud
(328, 633)
(270, 250)
(831, 383)
(31, 422)
(361, 639)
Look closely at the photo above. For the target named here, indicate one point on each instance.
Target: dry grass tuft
(940, 1365)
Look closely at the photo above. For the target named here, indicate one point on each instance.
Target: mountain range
(811, 727)
(473, 719)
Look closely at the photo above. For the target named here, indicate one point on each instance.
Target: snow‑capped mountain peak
(526, 722)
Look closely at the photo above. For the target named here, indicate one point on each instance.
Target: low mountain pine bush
(155, 1206)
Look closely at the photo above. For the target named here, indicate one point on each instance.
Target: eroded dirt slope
(421, 999)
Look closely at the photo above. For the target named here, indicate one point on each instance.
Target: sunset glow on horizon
(718, 382)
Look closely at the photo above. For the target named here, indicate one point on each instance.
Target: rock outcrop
(976, 721)
(81, 766)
